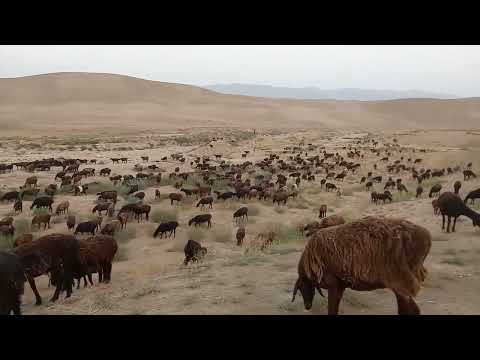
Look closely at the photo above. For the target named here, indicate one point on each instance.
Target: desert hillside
(79, 102)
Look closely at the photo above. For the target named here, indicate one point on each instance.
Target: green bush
(125, 235)
(163, 215)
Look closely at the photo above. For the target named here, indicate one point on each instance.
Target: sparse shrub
(125, 235)
(222, 234)
(22, 226)
(122, 254)
(160, 215)
(196, 233)
(454, 260)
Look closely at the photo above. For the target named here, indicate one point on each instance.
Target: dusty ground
(149, 278)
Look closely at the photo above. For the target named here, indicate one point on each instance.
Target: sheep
(435, 190)
(436, 209)
(157, 194)
(199, 219)
(97, 220)
(170, 226)
(240, 236)
(419, 191)
(456, 186)
(98, 252)
(8, 220)
(240, 213)
(108, 195)
(367, 254)
(110, 228)
(123, 218)
(332, 220)
(279, 197)
(384, 197)
(41, 202)
(70, 222)
(368, 186)
(451, 205)
(42, 219)
(322, 211)
(472, 195)
(11, 196)
(12, 284)
(101, 207)
(141, 209)
(193, 252)
(205, 201)
(86, 227)
(62, 208)
(226, 195)
(53, 253)
(467, 174)
(401, 187)
(175, 197)
(22, 239)
(330, 186)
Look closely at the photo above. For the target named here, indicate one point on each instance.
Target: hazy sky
(446, 69)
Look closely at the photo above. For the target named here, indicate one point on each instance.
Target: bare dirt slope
(148, 275)
(79, 102)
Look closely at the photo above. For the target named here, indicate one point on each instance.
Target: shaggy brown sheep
(41, 219)
(367, 254)
(240, 236)
(175, 197)
(322, 211)
(97, 252)
(62, 208)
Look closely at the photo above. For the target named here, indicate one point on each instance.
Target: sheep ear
(295, 289)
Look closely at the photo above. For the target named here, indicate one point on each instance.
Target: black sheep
(451, 205)
(435, 190)
(42, 202)
(193, 251)
(10, 196)
(86, 227)
(164, 227)
(456, 186)
(200, 219)
(241, 213)
(12, 283)
(472, 195)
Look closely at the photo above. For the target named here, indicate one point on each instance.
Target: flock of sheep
(371, 253)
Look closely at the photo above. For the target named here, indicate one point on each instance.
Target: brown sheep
(367, 254)
(240, 236)
(22, 239)
(323, 211)
(98, 220)
(123, 218)
(111, 228)
(157, 194)
(56, 254)
(97, 252)
(436, 208)
(101, 207)
(42, 219)
(175, 197)
(71, 222)
(279, 197)
(62, 208)
(8, 220)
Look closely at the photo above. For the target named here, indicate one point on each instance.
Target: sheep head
(306, 289)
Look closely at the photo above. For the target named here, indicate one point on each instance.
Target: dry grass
(222, 233)
(161, 215)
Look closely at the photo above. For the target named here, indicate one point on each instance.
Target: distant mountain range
(315, 93)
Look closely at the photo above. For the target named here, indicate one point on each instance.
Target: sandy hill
(86, 102)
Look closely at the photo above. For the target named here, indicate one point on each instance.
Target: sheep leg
(454, 223)
(443, 221)
(448, 224)
(31, 281)
(334, 296)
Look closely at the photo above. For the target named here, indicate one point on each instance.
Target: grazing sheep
(111, 228)
(467, 174)
(97, 252)
(22, 239)
(175, 197)
(322, 211)
(435, 190)
(367, 254)
(169, 226)
(157, 194)
(42, 219)
(401, 187)
(141, 209)
(330, 186)
(332, 220)
(472, 195)
(11, 196)
(62, 208)
(419, 191)
(123, 218)
(205, 201)
(240, 236)
(71, 222)
(200, 219)
(101, 207)
(56, 254)
(436, 209)
(193, 252)
(140, 195)
(108, 195)
(279, 197)
(8, 220)
(12, 284)
(42, 202)
(240, 213)
(384, 197)
(452, 206)
(86, 227)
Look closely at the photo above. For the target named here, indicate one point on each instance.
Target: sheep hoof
(307, 311)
